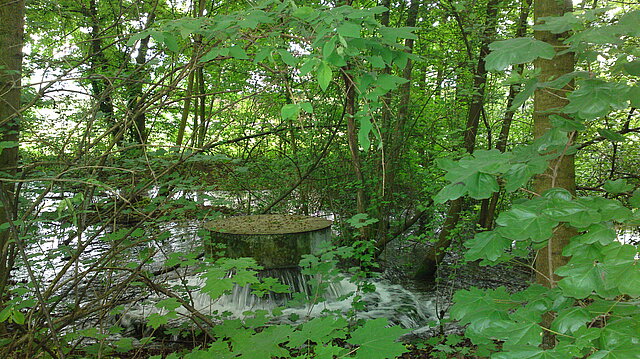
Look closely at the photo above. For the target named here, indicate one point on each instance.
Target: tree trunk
(487, 213)
(136, 111)
(11, 43)
(436, 253)
(396, 134)
(99, 66)
(561, 172)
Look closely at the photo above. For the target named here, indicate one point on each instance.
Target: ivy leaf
(487, 245)
(618, 186)
(375, 340)
(517, 51)
(595, 98)
(324, 74)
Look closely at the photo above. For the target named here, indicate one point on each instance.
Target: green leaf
(320, 330)
(306, 106)
(123, 345)
(238, 53)
(617, 186)
(526, 90)
(450, 192)
(169, 304)
(580, 280)
(290, 112)
(599, 233)
(392, 34)
(375, 340)
(524, 221)
(156, 320)
(8, 144)
(610, 135)
(559, 24)
(324, 74)
(517, 51)
(265, 344)
(635, 199)
(596, 98)
(567, 124)
(349, 29)
(570, 320)
(632, 68)
(487, 245)
(287, 58)
(634, 95)
(363, 132)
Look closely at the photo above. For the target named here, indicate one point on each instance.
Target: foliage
(595, 304)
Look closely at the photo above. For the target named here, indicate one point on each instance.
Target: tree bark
(11, 43)
(561, 172)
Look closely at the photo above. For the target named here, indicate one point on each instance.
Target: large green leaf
(517, 51)
(571, 319)
(375, 340)
(265, 344)
(596, 98)
(487, 245)
(618, 186)
(318, 330)
(559, 24)
(524, 221)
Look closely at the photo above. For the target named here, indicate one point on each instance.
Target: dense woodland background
(430, 131)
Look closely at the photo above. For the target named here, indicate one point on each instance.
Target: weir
(273, 240)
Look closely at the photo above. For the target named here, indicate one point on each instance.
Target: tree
(11, 42)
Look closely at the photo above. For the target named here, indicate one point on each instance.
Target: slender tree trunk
(436, 253)
(11, 43)
(185, 109)
(487, 213)
(561, 172)
(352, 138)
(396, 133)
(101, 89)
(137, 116)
